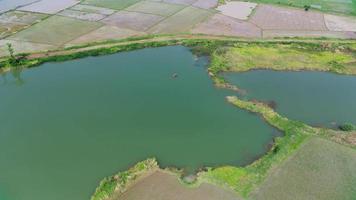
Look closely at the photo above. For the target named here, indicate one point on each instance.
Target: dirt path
(155, 39)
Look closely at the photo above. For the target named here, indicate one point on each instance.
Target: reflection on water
(317, 98)
(13, 77)
(64, 126)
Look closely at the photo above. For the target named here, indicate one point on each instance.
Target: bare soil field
(82, 15)
(237, 9)
(105, 33)
(183, 2)
(128, 20)
(93, 9)
(206, 4)
(278, 18)
(164, 186)
(23, 47)
(340, 23)
(224, 25)
(321, 169)
(182, 21)
(156, 8)
(311, 34)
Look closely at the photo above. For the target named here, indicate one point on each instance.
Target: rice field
(56, 30)
(321, 169)
(346, 7)
(112, 4)
(182, 21)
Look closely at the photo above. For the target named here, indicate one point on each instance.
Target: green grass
(113, 4)
(320, 169)
(245, 179)
(346, 7)
(122, 180)
(284, 57)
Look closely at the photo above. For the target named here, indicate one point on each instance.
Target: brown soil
(164, 186)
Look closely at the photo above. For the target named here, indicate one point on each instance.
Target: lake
(65, 126)
(317, 98)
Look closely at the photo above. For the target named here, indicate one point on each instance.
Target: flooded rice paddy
(65, 126)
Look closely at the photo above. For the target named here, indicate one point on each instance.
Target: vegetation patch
(320, 169)
(284, 57)
(121, 181)
(113, 4)
(56, 30)
(347, 7)
(347, 127)
(244, 179)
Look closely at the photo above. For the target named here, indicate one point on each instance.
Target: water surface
(6, 5)
(317, 98)
(65, 126)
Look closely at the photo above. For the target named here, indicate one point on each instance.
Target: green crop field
(113, 4)
(320, 169)
(182, 21)
(347, 7)
(56, 30)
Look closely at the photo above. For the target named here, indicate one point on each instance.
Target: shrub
(347, 127)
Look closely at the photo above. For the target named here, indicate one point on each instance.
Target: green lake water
(65, 126)
(318, 98)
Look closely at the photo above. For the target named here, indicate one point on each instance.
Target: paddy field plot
(182, 21)
(183, 2)
(56, 30)
(156, 8)
(223, 25)
(237, 9)
(93, 9)
(206, 4)
(14, 21)
(82, 15)
(21, 17)
(7, 29)
(339, 23)
(278, 18)
(129, 20)
(49, 6)
(347, 7)
(320, 169)
(113, 4)
(22, 47)
(105, 33)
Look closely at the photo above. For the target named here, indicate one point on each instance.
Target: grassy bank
(121, 181)
(245, 179)
(324, 57)
(320, 169)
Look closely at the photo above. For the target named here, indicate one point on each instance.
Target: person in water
(174, 75)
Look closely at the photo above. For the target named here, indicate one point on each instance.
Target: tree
(11, 51)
